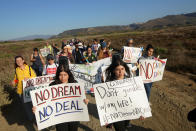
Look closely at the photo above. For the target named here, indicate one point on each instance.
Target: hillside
(167, 21)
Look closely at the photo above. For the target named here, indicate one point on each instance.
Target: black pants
(67, 126)
(120, 126)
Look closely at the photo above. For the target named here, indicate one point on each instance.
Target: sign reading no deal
(59, 103)
(132, 54)
(121, 100)
(152, 70)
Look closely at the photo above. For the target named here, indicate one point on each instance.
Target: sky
(20, 18)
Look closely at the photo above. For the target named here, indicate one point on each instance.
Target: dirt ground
(171, 99)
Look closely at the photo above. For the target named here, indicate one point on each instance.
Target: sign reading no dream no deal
(59, 103)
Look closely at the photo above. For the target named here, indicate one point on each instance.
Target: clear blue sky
(20, 18)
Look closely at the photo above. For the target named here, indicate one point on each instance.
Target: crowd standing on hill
(76, 52)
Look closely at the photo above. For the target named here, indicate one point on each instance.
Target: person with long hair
(148, 55)
(23, 72)
(89, 55)
(118, 70)
(64, 76)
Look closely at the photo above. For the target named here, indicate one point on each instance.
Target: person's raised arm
(42, 60)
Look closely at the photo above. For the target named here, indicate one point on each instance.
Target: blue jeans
(148, 88)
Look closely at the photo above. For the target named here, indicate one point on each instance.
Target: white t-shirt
(50, 69)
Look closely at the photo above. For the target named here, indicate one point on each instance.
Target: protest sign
(152, 70)
(45, 51)
(132, 54)
(35, 83)
(59, 103)
(121, 100)
(90, 69)
(87, 80)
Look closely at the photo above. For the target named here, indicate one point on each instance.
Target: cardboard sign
(132, 54)
(45, 51)
(59, 103)
(121, 100)
(152, 70)
(33, 84)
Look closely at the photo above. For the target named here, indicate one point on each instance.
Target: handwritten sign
(45, 51)
(121, 100)
(59, 103)
(132, 54)
(33, 84)
(87, 80)
(152, 70)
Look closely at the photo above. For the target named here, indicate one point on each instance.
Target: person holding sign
(148, 55)
(49, 46)
(37, 61)
(123, 52)
(118, 70)
(23, 72)
(64, 76)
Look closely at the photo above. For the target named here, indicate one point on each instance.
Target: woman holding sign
(148, 55)
(23, 72)
(64, 76)
(118, 70)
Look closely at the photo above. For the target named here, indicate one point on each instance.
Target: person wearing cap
(37, 61)
(103, 52)
(51, 67)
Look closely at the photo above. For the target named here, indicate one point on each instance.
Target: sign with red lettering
(59, 103)
(121, 100)
(35, 83)
(152, 70)
(132, 54)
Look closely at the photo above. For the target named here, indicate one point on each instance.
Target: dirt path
(172, 98)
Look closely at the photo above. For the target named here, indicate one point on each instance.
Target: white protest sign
(33, 84)
(45, 51)
(152, 70)
(132, 54)
(59, 103)
(90, 69)
(121, 100)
